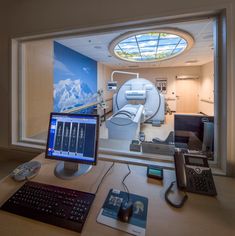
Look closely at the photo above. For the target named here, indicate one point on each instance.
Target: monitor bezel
(68, 159)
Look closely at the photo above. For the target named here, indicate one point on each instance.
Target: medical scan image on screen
(72, 137)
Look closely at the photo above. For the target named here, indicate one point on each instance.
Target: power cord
(123, 182)
(176, 205)
(97, 189)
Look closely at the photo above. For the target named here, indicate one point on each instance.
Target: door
(187, 96)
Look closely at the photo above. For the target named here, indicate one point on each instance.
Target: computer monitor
(194, 132)
(73, 139)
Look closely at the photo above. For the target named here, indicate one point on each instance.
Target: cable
(123, 182)
(176, 205)
(97, 189)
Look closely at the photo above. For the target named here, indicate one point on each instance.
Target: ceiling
(97, 46)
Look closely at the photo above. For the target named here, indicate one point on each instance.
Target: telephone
(193, 174)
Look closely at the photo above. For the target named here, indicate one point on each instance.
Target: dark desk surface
(201, 215)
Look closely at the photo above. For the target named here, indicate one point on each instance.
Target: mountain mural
(72, 93)
(75, 79)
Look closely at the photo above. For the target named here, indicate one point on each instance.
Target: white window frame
(18, 139)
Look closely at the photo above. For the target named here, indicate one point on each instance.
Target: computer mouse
(125, 211)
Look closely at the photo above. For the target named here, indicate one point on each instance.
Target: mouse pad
(109, 211)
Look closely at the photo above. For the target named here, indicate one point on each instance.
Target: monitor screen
(73, 137)
(194, 132)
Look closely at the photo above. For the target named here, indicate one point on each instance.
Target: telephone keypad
(200, 181)
(193, 173)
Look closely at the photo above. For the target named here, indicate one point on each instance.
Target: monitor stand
(70, 170)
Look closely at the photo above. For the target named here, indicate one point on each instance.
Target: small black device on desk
(50, 204)
(123, 213)
(155, 172)
(126, 210)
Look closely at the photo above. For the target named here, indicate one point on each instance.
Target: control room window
(142, 84)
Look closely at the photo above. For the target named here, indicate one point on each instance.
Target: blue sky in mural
(75, 78)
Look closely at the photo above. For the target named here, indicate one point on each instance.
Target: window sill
(120, 153)
(135, 161)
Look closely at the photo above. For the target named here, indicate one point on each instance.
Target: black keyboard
(54, 205)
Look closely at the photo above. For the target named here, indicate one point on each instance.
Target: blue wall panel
(75, 78)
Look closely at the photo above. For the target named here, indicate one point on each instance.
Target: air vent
(97, 47)
(133, 66)
(208, 36)
(191, 61)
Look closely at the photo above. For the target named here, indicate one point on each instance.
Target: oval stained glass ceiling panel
(150, 46)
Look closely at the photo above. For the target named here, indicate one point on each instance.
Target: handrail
(205, 100)
(81, 107)
(75, 109)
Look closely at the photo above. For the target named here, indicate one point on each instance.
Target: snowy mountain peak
(71, 93)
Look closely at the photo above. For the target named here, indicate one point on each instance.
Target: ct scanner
(135, 102)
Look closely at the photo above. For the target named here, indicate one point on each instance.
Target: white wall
(38, 86)
(206, 96)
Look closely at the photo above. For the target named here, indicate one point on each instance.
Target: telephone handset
(193, 174)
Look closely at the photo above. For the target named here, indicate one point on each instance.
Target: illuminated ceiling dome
(151, 46)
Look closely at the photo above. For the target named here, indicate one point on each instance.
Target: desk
(201, 215)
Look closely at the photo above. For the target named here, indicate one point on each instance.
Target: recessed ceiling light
(208, 36)
(191, 61)
(134, 66)
(97, 47)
